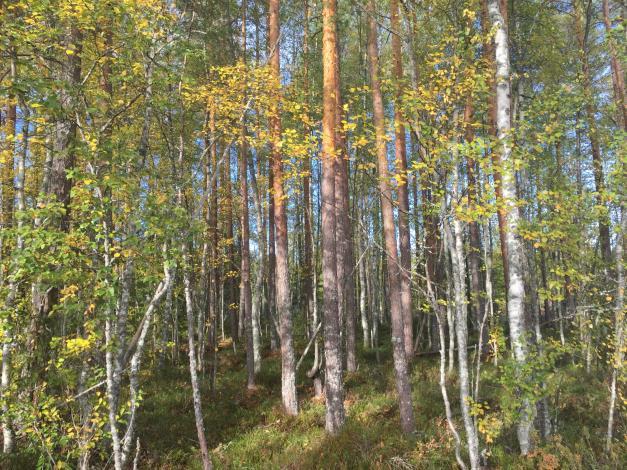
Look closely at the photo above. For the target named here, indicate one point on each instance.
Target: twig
(311, 340)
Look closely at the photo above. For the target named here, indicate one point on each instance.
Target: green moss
(247, 430)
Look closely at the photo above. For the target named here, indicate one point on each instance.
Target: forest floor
(247, 429)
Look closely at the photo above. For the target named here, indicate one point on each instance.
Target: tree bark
(618, 78)
(344, 246)
(455, 248)
(274, 338)
(619, 326)
(245, 234)
(363, 293)
(403, 384)
(57, 189)
(581, 32)
(261, 264)
(8, 438)
(283, 300)
(228, 282)
(193, 369)
(400, 152)
(489, 52)
(7, 194)
(474, 236)
(516, 287)
(308, 286)
(334, 389)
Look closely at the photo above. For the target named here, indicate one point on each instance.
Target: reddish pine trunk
(283, 300)
(274, 340)
(618, 80)
(400, 360)
(403, 193)
(334, 390)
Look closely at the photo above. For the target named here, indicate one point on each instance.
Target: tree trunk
(619, 325)
(516, 287)
(363, 296)
(593, 133)
(344, 246)
(492, 129)
(308, 286)
(618, 79)
(245, 234)
(283, 300)
(10, 137)
(400, 148)
(334, 390)
(474, 236)
(437, 308)
(274, 338)
(261, 264)
(57, 188)
(403, 384)
(214, 234)
(193, 368)
(455, 248)
(8, 333)
(229, 283)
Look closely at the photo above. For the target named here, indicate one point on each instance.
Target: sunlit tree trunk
(334, 390)
(619, 327)
(488, 52)
(455, 247)
(193, 369)
(400, 147)
(8, 147)
(618, 78)
(9, 323)
(283, 300)
(403, 385)
(516, 287)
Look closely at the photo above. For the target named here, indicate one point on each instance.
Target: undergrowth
(247, 429)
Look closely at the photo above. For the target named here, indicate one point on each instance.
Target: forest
(313, 234)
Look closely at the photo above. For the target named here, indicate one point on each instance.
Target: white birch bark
(516, 290)
(455, 245)
(261, 263)
(617, 363)
(193, 367)
(437, 308)
(8, 440)
(135, 360)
